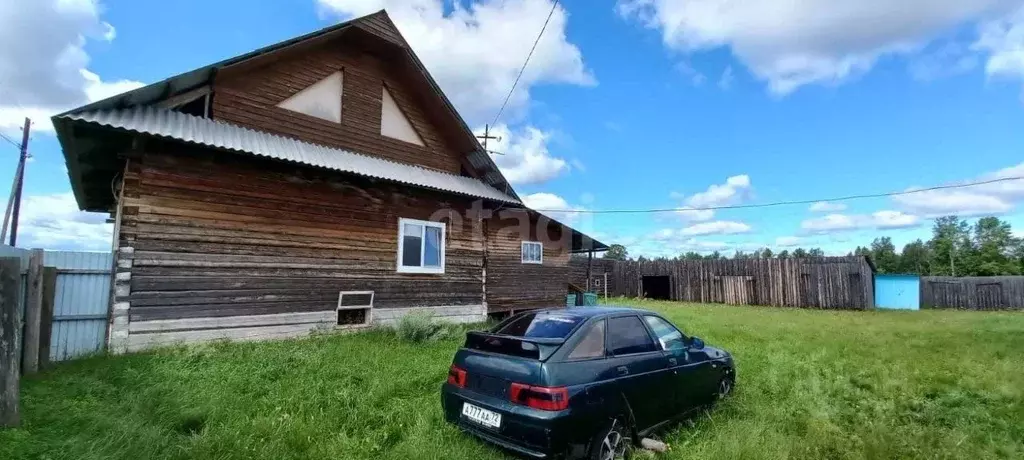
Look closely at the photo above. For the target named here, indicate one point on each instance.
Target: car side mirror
(696, 343)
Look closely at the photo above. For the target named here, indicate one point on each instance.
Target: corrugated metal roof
(203, 131)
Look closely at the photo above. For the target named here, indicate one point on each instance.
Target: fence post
(10, 340)
(46, 314)
(33, 312)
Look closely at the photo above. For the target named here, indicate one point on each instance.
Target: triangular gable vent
(321, 99)
(393, 122)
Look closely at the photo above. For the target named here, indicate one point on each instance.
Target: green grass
(812, 384)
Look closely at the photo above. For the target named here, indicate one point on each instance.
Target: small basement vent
(354, 308)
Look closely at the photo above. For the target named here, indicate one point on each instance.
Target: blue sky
(626, 105)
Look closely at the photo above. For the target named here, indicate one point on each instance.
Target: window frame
(522, 259)
(647, 329)
(421, 269)
(654, 334)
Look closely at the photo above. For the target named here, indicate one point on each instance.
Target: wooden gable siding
(513, 285)
(250, 99)
(216, 236)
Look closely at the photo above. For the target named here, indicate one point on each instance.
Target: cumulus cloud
(54, 222)
(790, 44)
(986, 199)
(1003, 40)
(718, 227)
(554, 206)
(46, 72)
(523, 155)
(475, 51)
(886, 219)
(736, 189)
(827, 206)
(788, 241)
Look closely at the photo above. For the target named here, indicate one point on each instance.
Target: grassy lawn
(812, 384)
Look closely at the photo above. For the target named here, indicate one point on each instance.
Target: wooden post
(46, 315)
(590, 263)
(33, 312)
(10, 340)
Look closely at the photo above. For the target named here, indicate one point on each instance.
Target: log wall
(217, 245)
(828, 282)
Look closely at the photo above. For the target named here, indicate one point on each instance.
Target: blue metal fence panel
(900, 292)
(80, 302)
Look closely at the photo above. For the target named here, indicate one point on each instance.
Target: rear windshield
(544, 325)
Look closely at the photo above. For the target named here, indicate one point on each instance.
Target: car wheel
(725, 386)
(612, 443)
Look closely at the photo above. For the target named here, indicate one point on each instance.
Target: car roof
(592, 312)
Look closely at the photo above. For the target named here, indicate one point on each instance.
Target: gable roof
(377, 24)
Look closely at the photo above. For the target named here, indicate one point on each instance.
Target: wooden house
(321, 182)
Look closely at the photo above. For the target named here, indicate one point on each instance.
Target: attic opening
(657, 287)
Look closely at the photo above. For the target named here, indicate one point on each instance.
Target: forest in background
(956, 248)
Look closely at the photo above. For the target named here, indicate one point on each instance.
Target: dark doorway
(657, 287)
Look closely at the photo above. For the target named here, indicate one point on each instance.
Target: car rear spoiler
(523, 347)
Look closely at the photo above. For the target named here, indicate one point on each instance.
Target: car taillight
(457, 376)
(543, 398)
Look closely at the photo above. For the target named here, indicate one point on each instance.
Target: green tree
(690, 255)
(616, 252)
(994, 248)
(950, 247)
(714, 256)
(915, 258)
(883, 253)
(799, 253)
(784, 254)
(767, 253)
(816, 252)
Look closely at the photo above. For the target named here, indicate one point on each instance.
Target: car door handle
(623, 370)
(672, 362)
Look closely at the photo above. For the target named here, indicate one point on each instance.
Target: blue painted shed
(898, 292)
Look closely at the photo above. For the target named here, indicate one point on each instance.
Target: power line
(528, 56)
(10, 140)
(786, 203)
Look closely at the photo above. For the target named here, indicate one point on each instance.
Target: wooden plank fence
(826, 282)
(973, 292)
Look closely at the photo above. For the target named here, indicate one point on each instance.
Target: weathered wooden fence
(826, 282)
(973, 292)
(53, 306)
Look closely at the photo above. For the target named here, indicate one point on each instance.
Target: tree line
(956, 248)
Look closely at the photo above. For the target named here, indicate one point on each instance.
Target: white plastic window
(420, 246)
(532, 252)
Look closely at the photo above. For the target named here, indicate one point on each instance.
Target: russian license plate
(481, 415)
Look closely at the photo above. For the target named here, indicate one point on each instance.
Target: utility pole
(487, 135)
(19, 179)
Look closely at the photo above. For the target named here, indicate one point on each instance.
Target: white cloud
(524, 157)
(788, 241)
(725, 81)
(791, 43)
(718, 227)
(986, 199)
(54, 222)
(886, 219)
(46, 72)
(1003, 40)
(735, 190)
(553, 206)
(948, 59)
(476, 51)
(696, 77)
(827, 206)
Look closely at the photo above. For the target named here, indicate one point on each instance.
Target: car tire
(725, 386)
(612, 443)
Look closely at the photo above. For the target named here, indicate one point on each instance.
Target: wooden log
(33, 313)
(46, 316)
(10, 341)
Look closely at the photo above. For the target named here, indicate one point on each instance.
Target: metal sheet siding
(202, 131)
(80, 303)
(899, 292)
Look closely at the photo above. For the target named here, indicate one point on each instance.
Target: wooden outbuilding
(321, 182)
